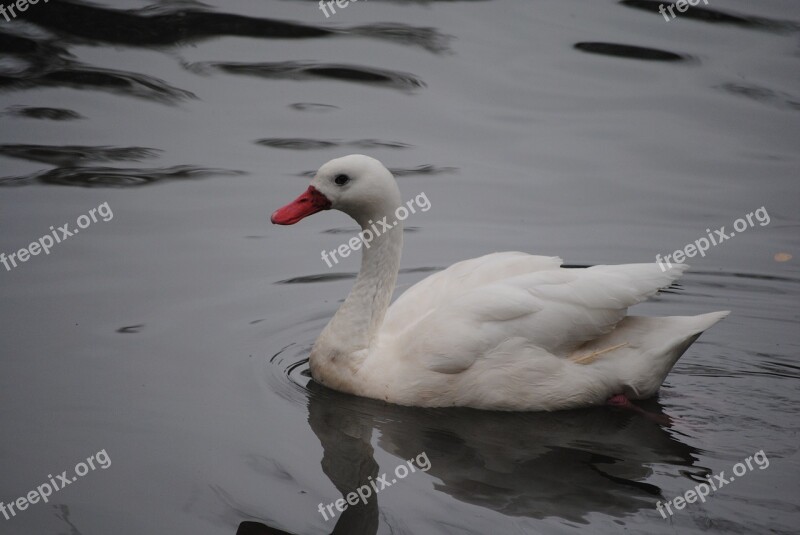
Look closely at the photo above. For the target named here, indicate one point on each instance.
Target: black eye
(341, 180)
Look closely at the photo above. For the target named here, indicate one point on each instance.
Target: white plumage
(505, 331)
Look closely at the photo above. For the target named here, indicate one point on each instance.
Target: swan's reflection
(348, 456)
(564, 464)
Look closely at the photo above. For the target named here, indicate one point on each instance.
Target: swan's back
(457, 280)
(503, 295)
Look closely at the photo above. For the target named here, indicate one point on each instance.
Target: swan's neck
(346, 340)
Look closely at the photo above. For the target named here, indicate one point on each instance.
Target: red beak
(310, 202)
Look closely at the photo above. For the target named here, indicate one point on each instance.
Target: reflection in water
(73, 155)
(161, 25)
(428, 38)
(539, 465)
(329, 277)
(768, 96)
(322, 277)
(310, 144)
(347, 459)
(44, 64)
(109, 177)
(131, 329)
(714, 16)
(422, 170)
(39, 63)
(629, 51)
(62, 513)
(40, 51)
(313, 106)
(257, 528)
(356, 230)
(236, 511)
(131, 84)
(309, 70)
(125, 83)
(51, 114)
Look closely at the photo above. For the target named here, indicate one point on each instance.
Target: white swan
(506, 331)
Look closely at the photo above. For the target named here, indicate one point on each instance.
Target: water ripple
(428, 38)
(108, 177)
(762, 94)
(32, 63)
(715, 16)
(311, 144)
(310, 70)
(77, 76)
(50, 114)
(162, 25)
(114, 81)
(74, 155)
(330, 277)
(313, 106)
(159, 25)
(355, 230)
(629, 51)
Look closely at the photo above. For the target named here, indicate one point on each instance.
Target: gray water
(173, 337)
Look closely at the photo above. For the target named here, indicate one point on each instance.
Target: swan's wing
(554, 309)
(457, 280)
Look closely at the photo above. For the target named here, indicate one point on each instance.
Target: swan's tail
(642, 350)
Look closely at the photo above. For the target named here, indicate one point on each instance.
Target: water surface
(174, 336)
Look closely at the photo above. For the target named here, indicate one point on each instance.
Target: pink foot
(622, 401)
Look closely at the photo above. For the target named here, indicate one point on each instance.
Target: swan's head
(357, 185)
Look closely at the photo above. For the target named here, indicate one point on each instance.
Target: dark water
(174, 335)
